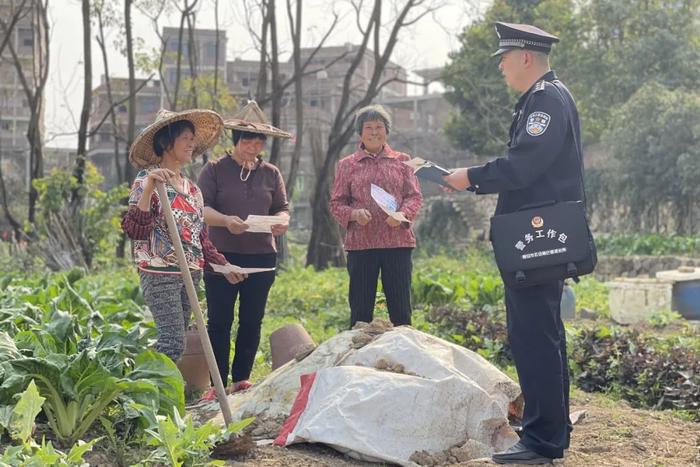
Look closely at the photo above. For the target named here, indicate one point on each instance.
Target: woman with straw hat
(160, 151)
(234, 187)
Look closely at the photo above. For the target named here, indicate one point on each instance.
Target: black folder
(427, 170)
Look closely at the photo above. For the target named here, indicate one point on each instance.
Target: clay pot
(193, 364)
(288, 342)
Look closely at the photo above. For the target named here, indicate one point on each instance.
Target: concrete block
(636, 299)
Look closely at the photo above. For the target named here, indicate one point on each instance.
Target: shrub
(648, 244)
(482, 330)
(647, 371)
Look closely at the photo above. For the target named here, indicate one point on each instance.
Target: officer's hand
(458, 179)
(361, 216)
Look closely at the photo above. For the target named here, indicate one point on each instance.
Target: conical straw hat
(207, 129)
(251, 119)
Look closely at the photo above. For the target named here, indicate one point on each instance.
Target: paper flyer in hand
(263, 224)
(428, 171)
(387, 202)
(226, 268)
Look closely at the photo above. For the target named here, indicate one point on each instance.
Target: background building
(14, 107)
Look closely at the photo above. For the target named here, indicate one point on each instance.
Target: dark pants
(364, 267)
(221, 299)
(538, 342)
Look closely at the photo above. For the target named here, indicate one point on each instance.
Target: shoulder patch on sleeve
(537, 123)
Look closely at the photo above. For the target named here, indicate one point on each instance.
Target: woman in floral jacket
(161, 151)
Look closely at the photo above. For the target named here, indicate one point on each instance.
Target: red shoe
(241, 386)
(210, 395)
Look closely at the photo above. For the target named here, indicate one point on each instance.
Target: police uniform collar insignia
(539, 86)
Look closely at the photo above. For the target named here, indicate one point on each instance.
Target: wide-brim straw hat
(251, 119)
(207, 130)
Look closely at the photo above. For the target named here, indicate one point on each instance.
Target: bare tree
(276, 111)
(11, 219)
(16, 14)
(102, 9)
(325, 244)
(154, 10)
(33, 79)
(295, 28)
(185, 13)
(81, 155)
(300, 71)
(216, 52)
(131, 126)
(268, 47)
(269, 58)
(192, 52)
(269, 51)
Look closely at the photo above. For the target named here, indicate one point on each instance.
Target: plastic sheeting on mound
(270, 400)
(433, 366)
(434, 358)
(380, 416)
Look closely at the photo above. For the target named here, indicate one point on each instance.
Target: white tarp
(378, 415)
(434, 358)
(270, 400)
(449, 397)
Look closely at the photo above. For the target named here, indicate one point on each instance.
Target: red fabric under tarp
(307, 382)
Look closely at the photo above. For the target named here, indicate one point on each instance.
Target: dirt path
(612, 434)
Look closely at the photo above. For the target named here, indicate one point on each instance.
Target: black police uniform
(541, 165)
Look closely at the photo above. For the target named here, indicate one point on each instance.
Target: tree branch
(96, 128)
(17, 15)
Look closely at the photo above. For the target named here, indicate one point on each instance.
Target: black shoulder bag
(547, 242)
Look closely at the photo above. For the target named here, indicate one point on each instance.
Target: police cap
(522, 36)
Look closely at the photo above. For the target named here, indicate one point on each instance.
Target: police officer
(541, 164)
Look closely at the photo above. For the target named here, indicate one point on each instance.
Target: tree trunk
(262, 70)
(215, 94)
(81, 156)
(34, 91)
(276, 112)
(129, 172)
(14, 223)
(192, 58)
(175, 104)
(110, 100)
(298, 97)
(325, 245)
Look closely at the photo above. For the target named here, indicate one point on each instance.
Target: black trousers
(538, 342)
(221, 299)
(396, 267)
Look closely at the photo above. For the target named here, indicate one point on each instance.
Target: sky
(425, 44)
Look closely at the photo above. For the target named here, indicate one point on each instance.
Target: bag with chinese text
(543, 244)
